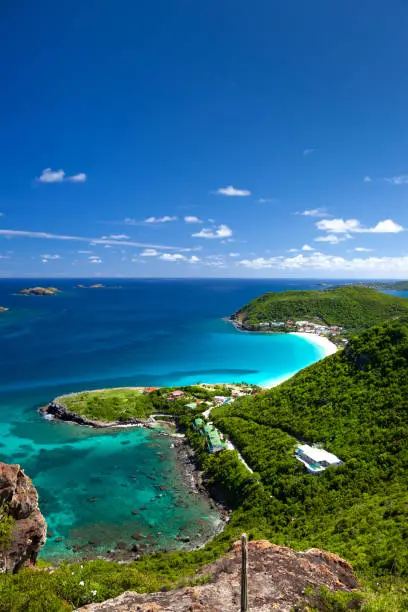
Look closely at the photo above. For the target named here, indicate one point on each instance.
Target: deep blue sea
(133, 332)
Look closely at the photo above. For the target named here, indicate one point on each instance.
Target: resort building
(315, 459)
(212, 436)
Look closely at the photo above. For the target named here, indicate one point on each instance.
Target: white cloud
(265, 200)
(341, 226)
(293, 250)
(107, 246)
(44, 261)
(164, 219)
(363, 250)
(116, 237)
(58, 176)
(367, 179)
(232, 191)
(314, 212)
(234, 254)
(149, 253)
(129, 221)
(84, 252)
(306, 247)
(402, 179)
(370, 266)
(172, 257)
(51, 176)
(94, 259)
(192, 219)
(307, 152)
(386, 227)
(220, 231)
(55, 256)
(193, 259)
(93, 241)
(77, 178)
(333, 238)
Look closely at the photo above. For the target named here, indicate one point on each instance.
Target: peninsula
(335, 313)
(40, 291)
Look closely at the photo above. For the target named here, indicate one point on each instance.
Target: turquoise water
(147, 332)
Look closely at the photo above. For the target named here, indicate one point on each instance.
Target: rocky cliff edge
(19, 500)
(277, 579)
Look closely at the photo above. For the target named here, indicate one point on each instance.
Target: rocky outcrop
(61, 412)
(19, 500)
(40, 291)
(277, 579)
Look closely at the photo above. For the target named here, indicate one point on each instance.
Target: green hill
(355, 404)
(354, 308)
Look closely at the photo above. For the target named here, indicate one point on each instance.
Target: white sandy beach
(329, 349)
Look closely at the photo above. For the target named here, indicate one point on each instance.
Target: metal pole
(244, 577)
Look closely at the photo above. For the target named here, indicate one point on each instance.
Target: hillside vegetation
(355, 404)
(354, 308)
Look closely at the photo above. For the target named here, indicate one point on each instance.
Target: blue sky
(221, 138)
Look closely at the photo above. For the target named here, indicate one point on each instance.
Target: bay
(132, 332)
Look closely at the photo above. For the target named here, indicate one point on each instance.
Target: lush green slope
(354, 308)
(356, 404)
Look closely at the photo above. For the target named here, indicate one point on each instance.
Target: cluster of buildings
(214, 439)
(308, 327)
(315, 459)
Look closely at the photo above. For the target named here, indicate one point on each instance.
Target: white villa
(315, 459)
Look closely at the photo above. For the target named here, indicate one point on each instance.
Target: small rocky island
(40, 291)
(96, 286)
(3, 309)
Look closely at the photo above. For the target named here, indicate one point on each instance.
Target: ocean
(132, 332)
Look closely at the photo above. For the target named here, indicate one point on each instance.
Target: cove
(148, 332)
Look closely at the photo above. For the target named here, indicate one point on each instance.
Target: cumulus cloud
(371, 266)
(92, 241)
(94, 259)
(192, 219)
(307, 247)
(402, 179)
(77, 178)
(164, 219)
(149, 253)
(172, 257)
(55, 256)
(367, 179)
(314, 212)
(363, 250)
(220, 231)
(234, 254)
(333, 238)
(307, 152)
(232, 191)
(344, 226)
(58, 176)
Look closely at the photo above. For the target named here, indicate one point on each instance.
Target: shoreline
(327, 345)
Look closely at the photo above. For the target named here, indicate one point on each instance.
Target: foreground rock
(40, 291)
(277, 579)
(19, 500)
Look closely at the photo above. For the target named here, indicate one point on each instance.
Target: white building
(315, 459)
